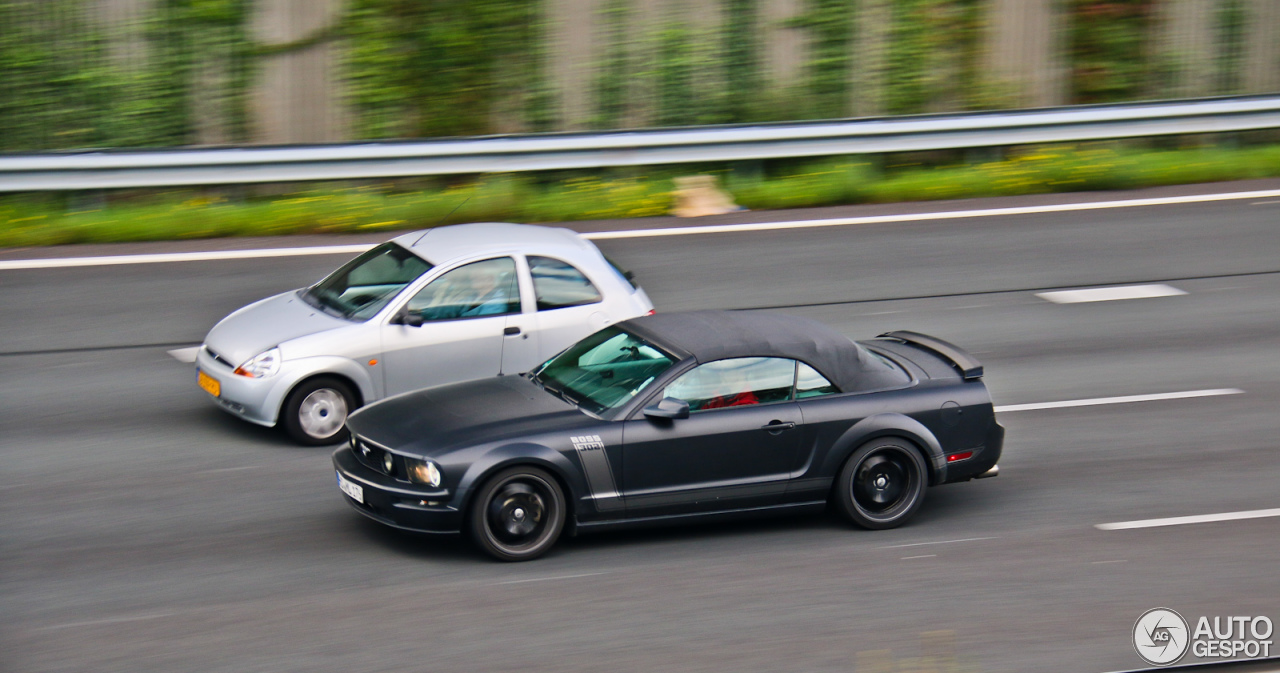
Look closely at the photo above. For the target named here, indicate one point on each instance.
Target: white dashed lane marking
(548, 579)
(1184, 520)
(109, 620)
(1110, 293)
(921, 544)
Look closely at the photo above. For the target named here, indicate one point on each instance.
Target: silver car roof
(441, 244)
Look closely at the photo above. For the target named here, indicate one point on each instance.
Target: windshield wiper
(325, 302)
(562, 393)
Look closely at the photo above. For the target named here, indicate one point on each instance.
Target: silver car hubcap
(322, 413)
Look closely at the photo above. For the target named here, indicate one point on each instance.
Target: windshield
(603, 371)
(361, 287)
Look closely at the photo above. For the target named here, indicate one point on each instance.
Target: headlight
(423, 472)
(260, 365)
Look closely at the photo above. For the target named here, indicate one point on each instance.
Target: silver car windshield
(363, 286)
(603, 371)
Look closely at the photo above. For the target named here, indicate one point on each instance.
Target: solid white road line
(908, 558)
(14, 264)
(112, 260)
(1182, 520)
(1118, 400)
(949, 215)
(921, 544)
(1110, 293)
(187, 355)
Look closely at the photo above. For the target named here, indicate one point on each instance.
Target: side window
(476, 289)
(735, 382)
(558, 284)
(809, 383)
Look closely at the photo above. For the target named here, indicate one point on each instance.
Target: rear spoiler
(968, 365)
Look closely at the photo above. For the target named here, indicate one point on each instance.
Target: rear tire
(882, 484)
(315, 412)
(518, 514)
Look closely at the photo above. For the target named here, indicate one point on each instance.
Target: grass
(30, 220)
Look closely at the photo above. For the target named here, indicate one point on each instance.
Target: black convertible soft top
(716, 335)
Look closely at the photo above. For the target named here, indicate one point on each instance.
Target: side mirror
(668, 407)
(407, 318)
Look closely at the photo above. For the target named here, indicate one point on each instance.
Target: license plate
(209, 384)
(356, 491)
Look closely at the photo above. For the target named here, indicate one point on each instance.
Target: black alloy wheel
(518, 514)
(882, 484)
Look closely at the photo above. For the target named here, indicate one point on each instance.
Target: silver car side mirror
(407, 318)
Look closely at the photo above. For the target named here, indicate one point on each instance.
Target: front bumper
(397, 503)
(254, 400)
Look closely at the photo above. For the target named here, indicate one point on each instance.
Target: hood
(437, 420)
(265, 324)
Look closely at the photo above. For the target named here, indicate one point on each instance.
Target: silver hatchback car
(426, 308)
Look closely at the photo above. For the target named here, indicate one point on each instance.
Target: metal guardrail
(508, 154)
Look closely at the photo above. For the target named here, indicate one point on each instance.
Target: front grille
(218, 358)
(372, 456)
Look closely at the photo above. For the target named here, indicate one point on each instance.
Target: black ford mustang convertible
(676, 417)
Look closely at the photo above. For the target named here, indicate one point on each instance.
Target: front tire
(882, 484)
(518, 514)
(315, 413)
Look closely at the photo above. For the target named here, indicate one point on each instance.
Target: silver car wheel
(322, 413)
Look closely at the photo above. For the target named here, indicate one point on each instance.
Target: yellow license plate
(209, 384)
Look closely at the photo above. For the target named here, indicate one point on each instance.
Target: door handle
(774, 427)
(510, 331)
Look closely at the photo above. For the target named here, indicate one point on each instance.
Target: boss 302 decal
(595, 465)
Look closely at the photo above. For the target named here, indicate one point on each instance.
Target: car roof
(715, 335)
(441, 244)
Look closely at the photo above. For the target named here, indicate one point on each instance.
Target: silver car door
(520, 351)
(464, 315)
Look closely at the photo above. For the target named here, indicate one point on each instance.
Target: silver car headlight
(263, 364)
(423, 472)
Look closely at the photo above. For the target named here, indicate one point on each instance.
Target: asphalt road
(143, 530)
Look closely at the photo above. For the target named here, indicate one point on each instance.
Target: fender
(888, 425)
(319, 366)
(521, 453)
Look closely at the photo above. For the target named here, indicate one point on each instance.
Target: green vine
(932, 60)
(1110, 56)
(741, 69)
(61, 85)
(616, 70)
(421, 69)
(830, 28)
(1231, 20)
